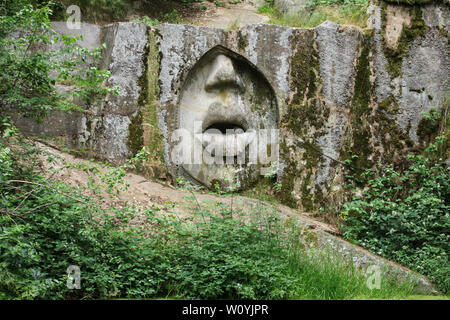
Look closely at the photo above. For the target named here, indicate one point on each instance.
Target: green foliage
(173, 17)
(147, 21)
(47, 226)
(188, 2)
(412, 2)
(30, 71)
(318, 11)
(405, 216)
(100, 10)
(170, 17)
(268, 9)
(338, 2)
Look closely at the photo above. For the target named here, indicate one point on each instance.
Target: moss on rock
(143, 130)
(427, 130)
(359, 148)
(153, 138)
(416, 29)
(135, 134)
(305, 121)
(243, 42)
(393, 140)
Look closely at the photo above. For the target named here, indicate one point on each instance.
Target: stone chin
(223, 103)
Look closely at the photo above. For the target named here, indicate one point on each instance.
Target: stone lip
(231, 145)
(220, 113)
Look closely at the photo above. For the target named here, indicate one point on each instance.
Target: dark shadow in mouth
(223, 127)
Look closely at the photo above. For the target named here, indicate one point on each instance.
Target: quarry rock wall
(346, 98)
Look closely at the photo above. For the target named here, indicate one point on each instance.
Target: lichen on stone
(153, 138)
(243, 42)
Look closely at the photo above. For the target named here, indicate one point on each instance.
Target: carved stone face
(224, 104)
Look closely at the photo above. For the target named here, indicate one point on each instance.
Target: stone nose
(222, 75)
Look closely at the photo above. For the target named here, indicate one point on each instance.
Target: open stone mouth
(228, 137)
(223, 127)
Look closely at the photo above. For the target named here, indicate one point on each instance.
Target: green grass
(314, 15)
(413, 297)
(268, 9)
(325, 276)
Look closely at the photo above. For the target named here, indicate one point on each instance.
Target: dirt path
(231, 16)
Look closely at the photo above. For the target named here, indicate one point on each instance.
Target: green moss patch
(305, 119)
(359, 148)
(135, 134)
(144, 131)
(409, 34)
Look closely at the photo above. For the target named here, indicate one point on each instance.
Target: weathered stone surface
(338, 90)
(424, 80)
(396, 18)
(338, 50)
(382, 84)
(423, 61)
(436, 16)
(126, 44)
(113, 142)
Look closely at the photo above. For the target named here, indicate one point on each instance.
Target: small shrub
(406, 216)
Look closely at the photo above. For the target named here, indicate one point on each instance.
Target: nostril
(235, 84)
(222, 75)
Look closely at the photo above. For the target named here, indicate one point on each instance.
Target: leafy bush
(47, 226)
(30, 71)
(406, 216)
